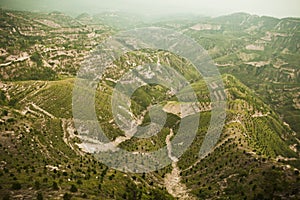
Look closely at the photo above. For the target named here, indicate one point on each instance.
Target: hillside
(40, 147)
(262, 52)
(44, 156)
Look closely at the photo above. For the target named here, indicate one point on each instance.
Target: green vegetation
(256, 156)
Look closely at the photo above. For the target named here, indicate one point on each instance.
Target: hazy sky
(277, 8)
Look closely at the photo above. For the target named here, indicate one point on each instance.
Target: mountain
(43, 155)
(262, 52)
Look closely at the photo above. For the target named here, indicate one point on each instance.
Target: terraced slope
(43, 46)
(39, 155)
(261, 51)
(42, 155)
(40, 150)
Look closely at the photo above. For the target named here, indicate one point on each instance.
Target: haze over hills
(277, 8)
(256, 157)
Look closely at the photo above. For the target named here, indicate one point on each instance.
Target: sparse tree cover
(256, 156)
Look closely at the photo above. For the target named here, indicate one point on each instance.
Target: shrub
(16, 186)
(73, 188)
(55, 186)
(39, 196)
(6, 197)
(67, 196)
(37, 185)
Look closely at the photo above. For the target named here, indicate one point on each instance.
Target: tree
(73, 188)
(37, 185)
(84, 196)
(67, 196)
(40, 196)
(4, 112)
(2, 97)
(16, 186)
(55, 186)
(36, 57)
